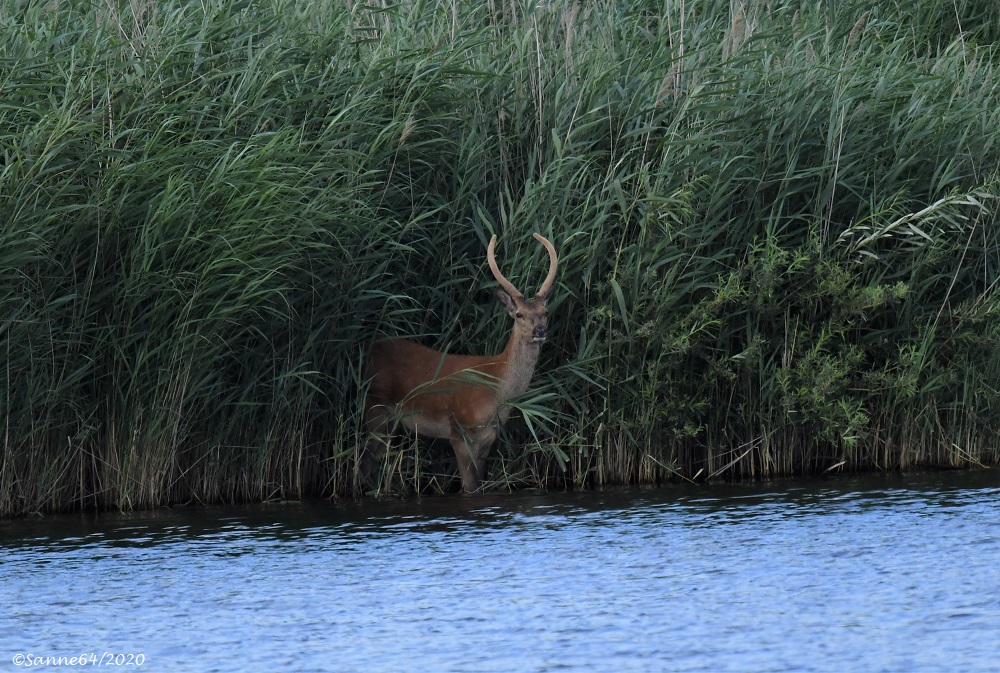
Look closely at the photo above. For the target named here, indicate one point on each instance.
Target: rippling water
(890, 574)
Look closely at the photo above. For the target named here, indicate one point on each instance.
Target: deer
(461, 398)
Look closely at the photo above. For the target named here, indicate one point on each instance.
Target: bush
(776, 224)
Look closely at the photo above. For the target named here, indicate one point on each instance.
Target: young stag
(462, 398)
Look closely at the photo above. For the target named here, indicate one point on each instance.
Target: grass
(776, 224)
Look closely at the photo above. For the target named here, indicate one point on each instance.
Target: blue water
(886, 574)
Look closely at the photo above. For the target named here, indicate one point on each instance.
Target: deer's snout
(540, 333)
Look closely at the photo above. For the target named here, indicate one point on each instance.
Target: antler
(504, 283)
(546, 288)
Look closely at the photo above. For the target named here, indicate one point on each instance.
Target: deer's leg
(378, 433)
(471, 452)
(466, 464)
(484, 444)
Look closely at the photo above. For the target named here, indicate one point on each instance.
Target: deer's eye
(518, 315)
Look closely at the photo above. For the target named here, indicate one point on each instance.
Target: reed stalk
(777, 228)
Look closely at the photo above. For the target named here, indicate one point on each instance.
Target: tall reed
(776, 224)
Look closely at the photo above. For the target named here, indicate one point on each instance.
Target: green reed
(776, 224)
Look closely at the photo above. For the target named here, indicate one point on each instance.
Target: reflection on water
(888, 574)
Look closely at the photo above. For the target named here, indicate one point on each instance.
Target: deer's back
(431, 386)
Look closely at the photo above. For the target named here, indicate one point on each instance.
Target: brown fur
(461, 398)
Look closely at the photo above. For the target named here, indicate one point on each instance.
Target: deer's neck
(521, 356)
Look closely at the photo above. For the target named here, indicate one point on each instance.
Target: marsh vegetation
(776, 224)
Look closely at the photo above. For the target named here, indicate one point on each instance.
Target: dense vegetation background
(777, 224)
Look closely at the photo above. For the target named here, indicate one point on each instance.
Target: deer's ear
(507, 301)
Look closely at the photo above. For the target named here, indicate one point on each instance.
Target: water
(888, 574)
